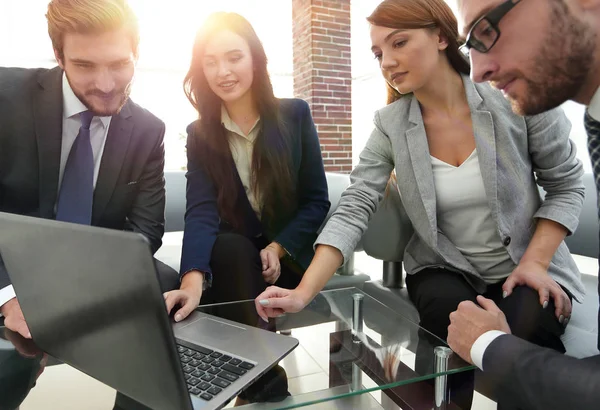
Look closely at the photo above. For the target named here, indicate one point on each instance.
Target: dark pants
(437, 292)
(237, 270)
(167, 276)
(237, 275)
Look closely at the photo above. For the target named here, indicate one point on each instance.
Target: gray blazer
(513, 151)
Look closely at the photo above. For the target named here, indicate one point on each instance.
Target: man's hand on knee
(470, 321)
(14, 319)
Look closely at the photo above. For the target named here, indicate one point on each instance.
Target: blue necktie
(77, 189)
(592, 127)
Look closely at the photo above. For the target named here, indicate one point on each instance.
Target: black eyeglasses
(485, 32)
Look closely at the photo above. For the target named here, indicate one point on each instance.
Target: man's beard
(98, 109)
(562, 64)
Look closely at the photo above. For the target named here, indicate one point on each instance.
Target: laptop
(92, 299)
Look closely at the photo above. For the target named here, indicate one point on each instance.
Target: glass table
(354, 352)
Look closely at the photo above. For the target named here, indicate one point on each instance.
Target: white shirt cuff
(6, 294)
(481, 344)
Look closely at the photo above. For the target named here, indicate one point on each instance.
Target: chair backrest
(336, 185)
(389, 230)
(175, 184)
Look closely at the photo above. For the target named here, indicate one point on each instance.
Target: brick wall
(322, 74)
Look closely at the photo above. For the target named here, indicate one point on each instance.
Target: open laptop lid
(89, 301)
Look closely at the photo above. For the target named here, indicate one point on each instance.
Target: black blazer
(296, 229)
(533, 377)
(130, 190)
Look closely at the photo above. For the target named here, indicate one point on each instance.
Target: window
(167, 35)
(167, 31)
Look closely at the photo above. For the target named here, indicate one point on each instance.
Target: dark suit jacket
(130, 189)
(533, 377)
(295, 230)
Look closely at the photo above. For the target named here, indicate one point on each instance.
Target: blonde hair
(90, 16)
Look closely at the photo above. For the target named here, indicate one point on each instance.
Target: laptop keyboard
(208, 372)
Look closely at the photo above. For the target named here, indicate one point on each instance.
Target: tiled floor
(80, 391)
(307, 379)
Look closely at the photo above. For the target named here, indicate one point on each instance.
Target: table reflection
(21, 364)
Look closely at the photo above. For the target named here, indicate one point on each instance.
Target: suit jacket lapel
(485, 141)
(47, 114)
(115, 151)
(416, 139)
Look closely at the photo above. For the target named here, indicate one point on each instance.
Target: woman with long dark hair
(467, 169)
(256, 187)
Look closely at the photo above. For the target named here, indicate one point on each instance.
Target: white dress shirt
(482, 343)
(71, 123)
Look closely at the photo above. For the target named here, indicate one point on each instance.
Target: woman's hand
(271, 267)
(187, 297)
(535, 276)
(274, 302)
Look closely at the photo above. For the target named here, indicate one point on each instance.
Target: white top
(464, 216)
(71, 123)
(242, 148)
(482, 343)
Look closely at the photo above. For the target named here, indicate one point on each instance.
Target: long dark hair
(419, 14)
(271, 163)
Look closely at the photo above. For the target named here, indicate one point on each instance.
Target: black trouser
(237, 270)
(237, 275)
(437, 292)
(167, 276)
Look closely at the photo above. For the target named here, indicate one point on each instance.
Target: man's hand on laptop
(187, 297)
(13, 318)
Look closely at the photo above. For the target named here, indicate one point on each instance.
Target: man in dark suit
(558, 61)
(73, 146)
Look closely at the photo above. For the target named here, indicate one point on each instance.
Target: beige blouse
(242, 146)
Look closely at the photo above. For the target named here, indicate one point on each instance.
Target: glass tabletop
(349, 344)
